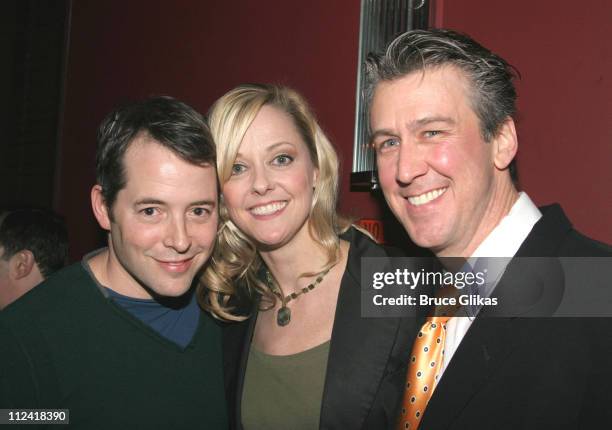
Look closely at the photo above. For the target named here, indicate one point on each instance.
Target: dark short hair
(493, 96)
(40, 231)
(170, 122)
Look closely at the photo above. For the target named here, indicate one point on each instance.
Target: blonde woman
(305, 359)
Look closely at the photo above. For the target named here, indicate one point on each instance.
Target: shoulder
(363, 245)
(555, 227)
(38, 325)
(364, 250)
(579, 245)
(65, 292)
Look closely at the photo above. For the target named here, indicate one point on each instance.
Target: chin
(167, 287)
(171, 291)
(424, 239)
(270, 243)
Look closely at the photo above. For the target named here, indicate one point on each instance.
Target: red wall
(197, 50)
(563, 52)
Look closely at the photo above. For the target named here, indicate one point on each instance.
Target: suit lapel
(245, 347)
(483, 350)
(490, 341)
(359, 351)
(547, 234)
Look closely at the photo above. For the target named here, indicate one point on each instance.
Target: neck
(500, 203)
(109, 272)
(301, 255)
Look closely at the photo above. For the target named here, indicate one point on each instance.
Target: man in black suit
(441, 109)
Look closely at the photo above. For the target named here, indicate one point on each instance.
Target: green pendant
(283, 316)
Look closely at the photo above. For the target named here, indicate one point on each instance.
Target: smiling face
(164, 222)
(445, 184)
(269, 193)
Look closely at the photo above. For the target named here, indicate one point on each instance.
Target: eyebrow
(429, 119)
(414, 124)
(272, 147)
(152, 201)
(382, 132)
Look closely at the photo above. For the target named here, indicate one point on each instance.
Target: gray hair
(493, 98)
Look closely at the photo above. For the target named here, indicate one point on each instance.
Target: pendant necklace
(283, 316)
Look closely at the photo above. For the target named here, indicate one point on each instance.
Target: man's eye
(200, 212)
(238, 169)
(282, 160)
(149, 211)
(387, 144)
(432, 133)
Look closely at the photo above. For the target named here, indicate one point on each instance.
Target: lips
(176, 266)
(426, 197)
(268, 208)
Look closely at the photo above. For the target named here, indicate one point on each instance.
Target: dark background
(67, 63)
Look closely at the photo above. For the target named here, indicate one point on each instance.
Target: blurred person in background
(33, 245)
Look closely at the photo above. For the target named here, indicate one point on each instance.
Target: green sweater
(65, 345)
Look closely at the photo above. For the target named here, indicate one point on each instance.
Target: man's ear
(99, 207)
(505, 145)
(21, 264)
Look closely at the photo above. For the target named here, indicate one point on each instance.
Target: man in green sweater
(118, 339)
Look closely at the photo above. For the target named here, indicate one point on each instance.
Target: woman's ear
(315, 177)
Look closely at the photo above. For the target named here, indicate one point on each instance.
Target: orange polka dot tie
(423, 371)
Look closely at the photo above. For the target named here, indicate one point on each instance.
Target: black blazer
(530, 373)
(367, 360)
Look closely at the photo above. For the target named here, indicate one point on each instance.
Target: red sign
(374, 227)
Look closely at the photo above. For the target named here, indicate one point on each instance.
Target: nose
(262, 181)
(410, 163)
(177, 237)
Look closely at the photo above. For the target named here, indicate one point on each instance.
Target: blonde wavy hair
(235, 263)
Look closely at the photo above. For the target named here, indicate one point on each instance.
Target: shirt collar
(506, 238)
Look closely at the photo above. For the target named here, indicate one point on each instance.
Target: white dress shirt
(503, 241)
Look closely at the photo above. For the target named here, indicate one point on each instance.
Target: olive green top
(284, 391)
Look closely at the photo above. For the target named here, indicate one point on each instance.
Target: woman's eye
(282, 159)
(238, 169)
